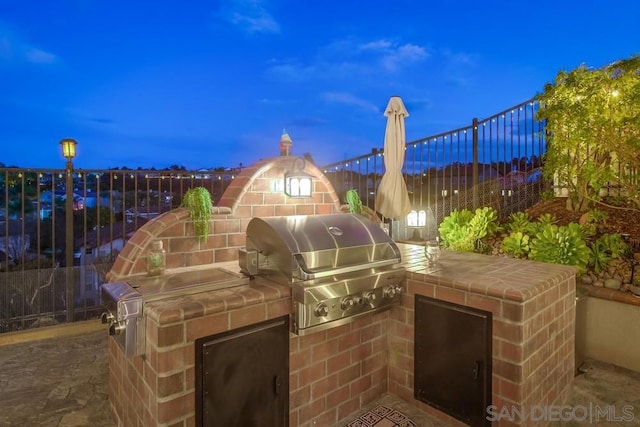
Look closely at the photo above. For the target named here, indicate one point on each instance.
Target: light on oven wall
(297, 185)
(416, 220)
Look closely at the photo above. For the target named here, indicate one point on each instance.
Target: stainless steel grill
(340, 266)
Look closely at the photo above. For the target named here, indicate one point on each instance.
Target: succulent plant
(614, 244)
(518, 221)
(521, 221)
(516, 244)
(547, 218)
(155, 260)
(599, 258)
(560, 245)
(463, 230)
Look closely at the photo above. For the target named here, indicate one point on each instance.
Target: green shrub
(598, 216)
(560, 245)
(485, 222)
(619, 201)
(598, 258)
(516, 244)
(547, 218)
(606, 248)
(463, 230)
(614, 244)
(457, 218)
(594, 223)
(548, 195)
(591, 120)
(519, 222)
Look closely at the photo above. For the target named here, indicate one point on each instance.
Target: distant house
(132, 213)
(16, 242)
(5, 261)
(60, 196)
(101, 242)
(96, 252)
(103, 199)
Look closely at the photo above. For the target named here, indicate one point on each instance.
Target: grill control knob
(117, 327)
(370, 297)
(347, 303)
(389, 291)
(321, 310)
(107, 317)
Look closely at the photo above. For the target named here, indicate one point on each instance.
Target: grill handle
(305, 273)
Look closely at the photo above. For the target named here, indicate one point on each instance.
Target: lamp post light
(69, 152)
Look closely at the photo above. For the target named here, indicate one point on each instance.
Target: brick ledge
(611, 295)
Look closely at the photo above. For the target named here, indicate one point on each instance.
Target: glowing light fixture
(417, 218)
(69, 148)
(298, 185)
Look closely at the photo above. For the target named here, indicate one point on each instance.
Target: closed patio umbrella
(392, 198)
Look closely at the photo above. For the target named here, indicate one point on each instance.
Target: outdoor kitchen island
(336, 372)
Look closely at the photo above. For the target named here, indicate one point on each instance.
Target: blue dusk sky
(206, 84)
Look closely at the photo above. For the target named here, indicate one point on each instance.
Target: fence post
(69, 282)
(474, 178)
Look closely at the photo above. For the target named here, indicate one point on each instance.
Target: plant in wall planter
(197, 200)
(354, 202)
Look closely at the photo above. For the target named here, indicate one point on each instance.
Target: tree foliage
(593, 131)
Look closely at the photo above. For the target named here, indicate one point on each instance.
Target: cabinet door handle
(277, 385)
(476, 369)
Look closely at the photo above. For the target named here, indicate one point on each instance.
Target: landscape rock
(614, 284)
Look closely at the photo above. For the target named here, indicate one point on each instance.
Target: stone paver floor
(55, 382)
(62, 382)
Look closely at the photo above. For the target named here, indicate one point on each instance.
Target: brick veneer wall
(533, 344)
(158, 389)
(337, 372)
(332, 373)
(250, 194)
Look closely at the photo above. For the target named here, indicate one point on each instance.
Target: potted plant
(156, 259)
(354, 202)
(198, 201)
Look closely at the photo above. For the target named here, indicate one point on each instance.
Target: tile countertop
(217, 300)
(502, 277)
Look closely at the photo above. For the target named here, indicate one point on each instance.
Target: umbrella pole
(388, 226)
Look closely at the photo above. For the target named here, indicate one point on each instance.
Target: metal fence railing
(51, 272)
(44, 264)
(492, 162)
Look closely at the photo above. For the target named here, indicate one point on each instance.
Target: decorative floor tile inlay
(382, 416)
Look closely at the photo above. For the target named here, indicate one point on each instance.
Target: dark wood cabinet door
(452, 359)
(244, 377)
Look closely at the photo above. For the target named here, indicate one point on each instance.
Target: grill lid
(314, 246)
